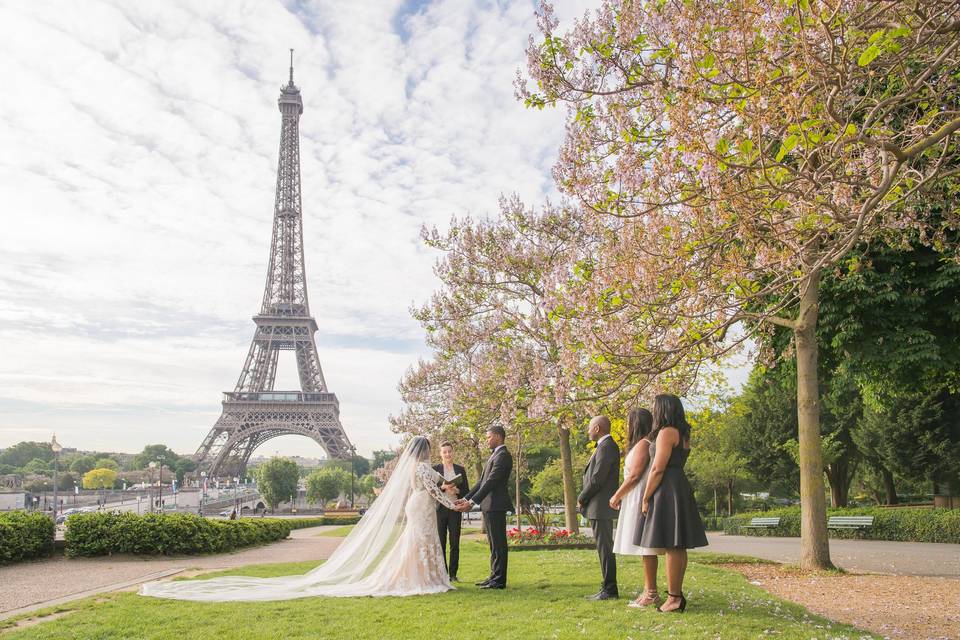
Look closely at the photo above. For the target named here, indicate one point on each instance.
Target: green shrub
(906, 524)
(97, 534)
(24, 535)
(302, 523)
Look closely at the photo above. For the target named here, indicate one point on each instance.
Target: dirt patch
(895, 607)
(32, 620)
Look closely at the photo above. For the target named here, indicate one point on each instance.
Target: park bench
(850, 522)
(763, 523)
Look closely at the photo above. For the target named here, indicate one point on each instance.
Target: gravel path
(867, 556)
(28, 584)
(892, 606)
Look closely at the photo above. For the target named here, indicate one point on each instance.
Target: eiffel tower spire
(286, 290)
(254, 413)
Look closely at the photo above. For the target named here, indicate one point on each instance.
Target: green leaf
(868, 55)
(787, 146)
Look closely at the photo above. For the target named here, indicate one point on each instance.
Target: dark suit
(449, 521)
(493, 496)
(600, 482)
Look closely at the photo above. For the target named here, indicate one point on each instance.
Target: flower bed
(533, 538)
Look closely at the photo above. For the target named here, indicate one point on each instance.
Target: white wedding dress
(393, 551)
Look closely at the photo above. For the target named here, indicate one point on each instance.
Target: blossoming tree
(728, 153)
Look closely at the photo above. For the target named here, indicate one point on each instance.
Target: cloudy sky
(138, 150)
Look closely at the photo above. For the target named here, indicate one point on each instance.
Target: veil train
(350, 571)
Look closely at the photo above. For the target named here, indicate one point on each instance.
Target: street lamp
(160, 461)
(353, 462)
(203, 489)
(154, 465)
(236, 500)
(150, 493)
(56, 448)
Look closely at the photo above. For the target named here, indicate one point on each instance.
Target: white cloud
(138, 145)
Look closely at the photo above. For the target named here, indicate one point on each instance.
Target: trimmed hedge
(302, 523)
(24, 535)
(97, 534)
(900, 524)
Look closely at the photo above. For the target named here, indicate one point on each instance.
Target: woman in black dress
(670, 516)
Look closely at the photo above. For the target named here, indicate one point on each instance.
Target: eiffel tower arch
(254, 412)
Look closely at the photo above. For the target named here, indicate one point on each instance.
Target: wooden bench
(850, 522)
(763, 523)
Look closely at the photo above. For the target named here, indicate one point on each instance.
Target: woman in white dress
(627, 499)
(393, 551)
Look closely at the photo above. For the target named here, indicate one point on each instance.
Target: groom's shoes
(493, 585)
(483, 584)
(603, 595)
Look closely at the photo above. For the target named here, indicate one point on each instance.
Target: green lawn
(544, 600)
(338, 532)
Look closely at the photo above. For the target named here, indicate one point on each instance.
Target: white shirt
(602, 438)
(449, 474)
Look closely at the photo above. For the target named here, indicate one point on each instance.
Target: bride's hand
(645, 506)
(615, 503)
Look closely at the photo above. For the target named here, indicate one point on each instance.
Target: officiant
(449, 521)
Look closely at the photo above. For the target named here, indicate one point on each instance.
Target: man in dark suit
(449, 520)
(492, 494)
(600, 482)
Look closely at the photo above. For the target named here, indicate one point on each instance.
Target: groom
(600, 481)
(494, 500)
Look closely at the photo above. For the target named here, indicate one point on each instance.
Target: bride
(393, 551)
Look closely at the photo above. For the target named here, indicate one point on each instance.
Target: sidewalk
(32, 585)
(873, 556)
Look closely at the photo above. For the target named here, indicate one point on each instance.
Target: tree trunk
(814, 544)
(516, 470)
(730, 498)
(479, 468)
(839, 484)
(569, 489)
(889, 487)
(716, 506)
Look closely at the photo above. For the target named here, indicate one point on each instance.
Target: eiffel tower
(254, 412)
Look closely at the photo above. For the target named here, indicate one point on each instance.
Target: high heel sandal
(650, 596)
(683, 603)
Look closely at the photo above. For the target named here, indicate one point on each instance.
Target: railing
(278, 396)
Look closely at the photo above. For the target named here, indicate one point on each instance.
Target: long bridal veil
(346, 572)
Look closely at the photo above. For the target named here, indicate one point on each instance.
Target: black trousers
(449, 523)
(497, 536)
(603, 534)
